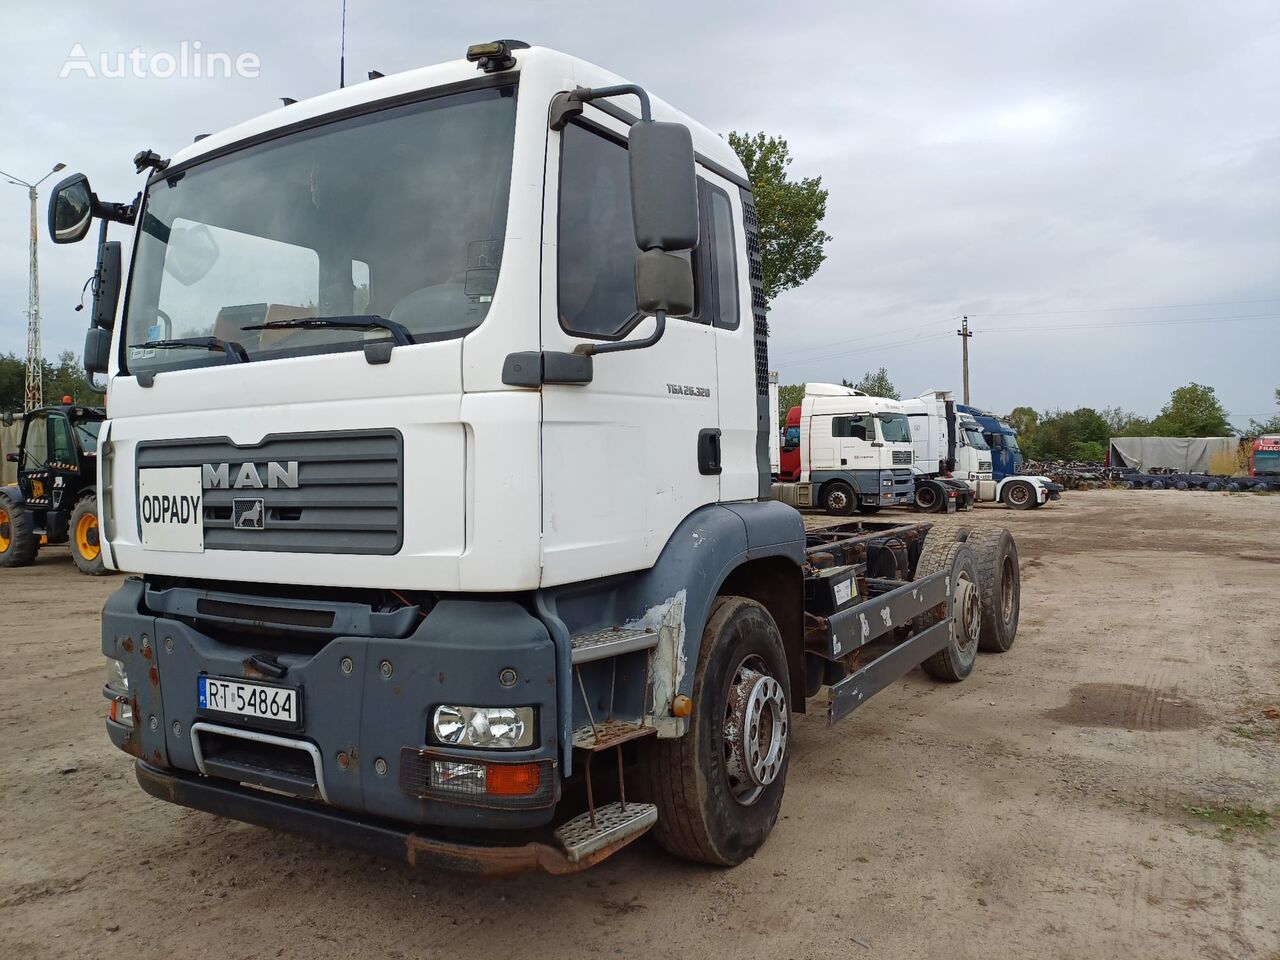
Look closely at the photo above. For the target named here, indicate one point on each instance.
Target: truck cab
(1264, 456)
(854, 452)
(1002, 440)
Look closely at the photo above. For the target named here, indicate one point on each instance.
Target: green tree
(1122, 423)
(877, 384)
(789, 212)
(789, 395)
(1069, 435)
(1257, 427)
(12, 378)
(62, 379)
(1192, 411)
(1024, 421)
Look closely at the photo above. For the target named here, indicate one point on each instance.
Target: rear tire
(955, 661)
(1019, 495)
(1157, 485)
(718, 789)
(839, 499)
(928, 499)
(18, 544)
(84, 537)
(999, 585)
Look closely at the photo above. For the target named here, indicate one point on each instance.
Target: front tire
(18, 544)
(1019, 495)
(839, 499)
(718, 788)
(86, 544)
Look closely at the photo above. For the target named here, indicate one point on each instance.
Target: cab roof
(549, 69)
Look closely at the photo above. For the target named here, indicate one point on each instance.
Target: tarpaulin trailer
(1180, 454)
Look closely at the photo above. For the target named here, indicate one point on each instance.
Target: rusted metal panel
(851, 692)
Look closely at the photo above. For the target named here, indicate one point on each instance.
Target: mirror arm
(660, 327)
(566, 106)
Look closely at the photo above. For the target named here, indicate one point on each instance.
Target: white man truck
(438, 459)
(949, 447)
(845, 452)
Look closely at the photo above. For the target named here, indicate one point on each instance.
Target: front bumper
(431, 849)
(366, 701)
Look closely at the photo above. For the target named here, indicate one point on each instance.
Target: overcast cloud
(991, 158)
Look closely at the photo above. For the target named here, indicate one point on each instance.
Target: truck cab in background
(1002, 440)
(1264, 456)
(953, 444)
(852, 452)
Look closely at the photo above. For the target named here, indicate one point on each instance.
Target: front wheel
(838, 498)
(718, 788)
(18, 543)
(1019, 495)
(86, 545)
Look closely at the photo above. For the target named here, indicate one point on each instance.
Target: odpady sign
(163, 508)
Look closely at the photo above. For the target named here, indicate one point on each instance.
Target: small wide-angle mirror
(97, 351)
(664, 282)
(191, 254)
(664, 186)
(70, 209)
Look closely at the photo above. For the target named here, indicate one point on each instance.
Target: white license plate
(242, 698)
(170, 509)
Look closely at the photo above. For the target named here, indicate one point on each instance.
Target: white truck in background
(949, 446)
(852, 452)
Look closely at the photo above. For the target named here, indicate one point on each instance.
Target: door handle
(709, 451)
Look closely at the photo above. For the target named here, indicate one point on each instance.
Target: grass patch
(1233, 821)
(1249, 731)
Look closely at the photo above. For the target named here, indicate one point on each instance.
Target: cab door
(620, 455)
(33, 468)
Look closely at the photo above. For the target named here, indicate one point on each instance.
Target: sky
(1095, 184)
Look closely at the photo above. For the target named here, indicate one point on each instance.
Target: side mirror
(11, 457)
(97, 351)
(71, 209)
(7, 419)
(106, 293)
(664, 186)
(664, 282)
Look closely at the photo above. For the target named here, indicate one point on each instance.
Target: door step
(614, 824)
(610, 643)
(609, 733)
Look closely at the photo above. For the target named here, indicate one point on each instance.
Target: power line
(1171, 321)
(864, 337)
(1162, 306)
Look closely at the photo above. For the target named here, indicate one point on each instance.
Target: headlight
(483, 727)
(117, 679)
(886, 483)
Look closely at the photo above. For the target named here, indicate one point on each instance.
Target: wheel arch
(777, 584)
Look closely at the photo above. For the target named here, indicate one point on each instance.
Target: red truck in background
(1264, 455)
(789, 457)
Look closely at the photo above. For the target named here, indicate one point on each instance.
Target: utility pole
(33, 392)
(964, 335)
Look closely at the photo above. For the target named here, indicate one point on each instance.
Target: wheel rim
(755, 730)
(87, 537)
(837, 499)
(1018, 493)
(968, 611)
(1006, 590)
(6, 531)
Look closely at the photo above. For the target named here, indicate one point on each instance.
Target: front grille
(349, 498)
(984, 466)
(902, 457)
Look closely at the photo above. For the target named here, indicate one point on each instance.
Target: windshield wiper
(233, 350)
(399, 333)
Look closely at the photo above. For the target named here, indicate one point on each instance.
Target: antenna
(342, 49)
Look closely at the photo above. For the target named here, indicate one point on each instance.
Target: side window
(859, 427)
(597, 249)
(61, 448)
(35, 445)
(723, 247)
(791, 438)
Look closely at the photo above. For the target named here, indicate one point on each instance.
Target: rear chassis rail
(863, 632)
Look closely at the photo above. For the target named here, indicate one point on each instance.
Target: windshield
(1267, 461)
(400, 213)
(973, 436)
(87, 434)
(894, 427)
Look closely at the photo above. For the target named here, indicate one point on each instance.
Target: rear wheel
(928, 499)
(999, 586)
(838, 498)
(18, 544)
(1019, 495)
(718, 788)
(1157, 484)
(963, 604)
(86, 545)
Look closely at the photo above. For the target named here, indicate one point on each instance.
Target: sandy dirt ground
(1105, 789)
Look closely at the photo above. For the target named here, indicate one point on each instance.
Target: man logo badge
(248, 513)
